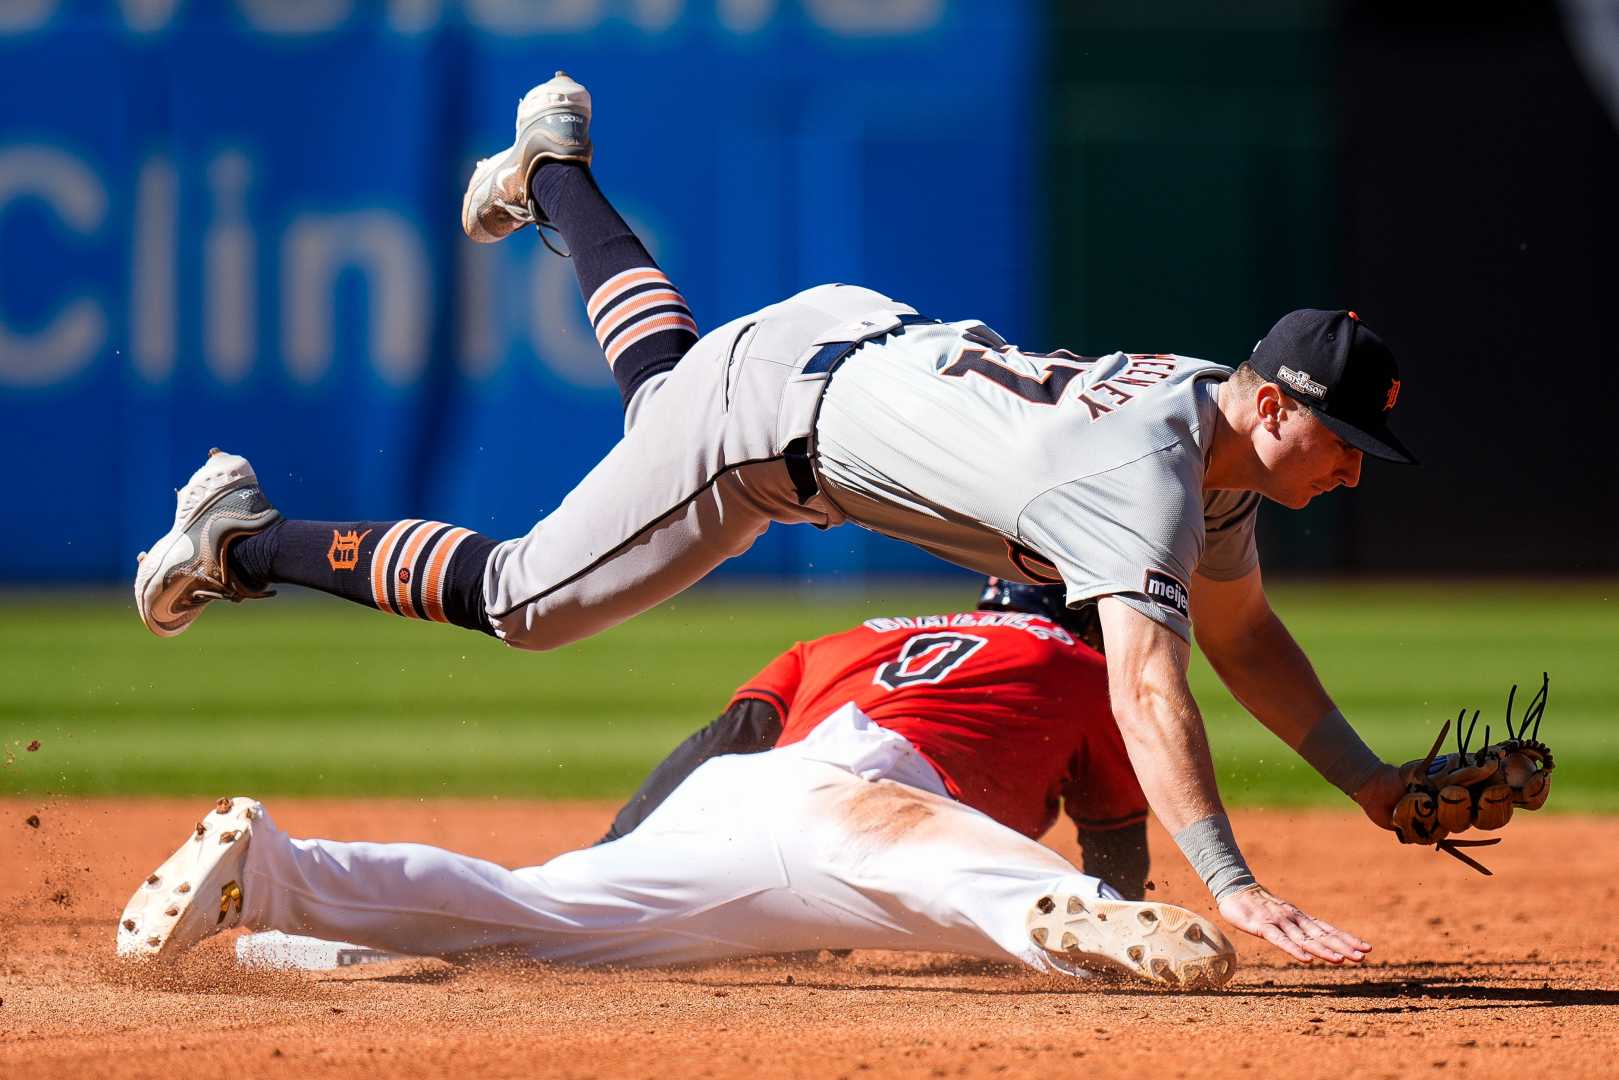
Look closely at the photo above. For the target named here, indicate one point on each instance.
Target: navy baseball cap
(1332, 363)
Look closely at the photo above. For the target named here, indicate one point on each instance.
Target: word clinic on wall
(249, 289)
(507, 17)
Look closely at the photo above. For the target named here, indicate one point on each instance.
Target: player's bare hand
(1377, 797)
(1265, 915)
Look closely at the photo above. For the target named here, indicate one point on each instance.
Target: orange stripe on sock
(634, 306)
(646, 330)
(437, 561)
(616, 285)
(406, 573)
(379, 562)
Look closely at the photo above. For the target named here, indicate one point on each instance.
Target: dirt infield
(1518, 975)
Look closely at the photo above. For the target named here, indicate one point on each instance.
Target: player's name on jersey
(1038, 625)
(1145, 370)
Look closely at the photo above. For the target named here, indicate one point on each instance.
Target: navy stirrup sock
(418, 569)
(640, 318)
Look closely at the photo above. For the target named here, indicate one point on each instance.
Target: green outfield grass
(309, 697)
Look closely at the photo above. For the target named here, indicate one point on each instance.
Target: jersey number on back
(1046, 390)
(928, 658)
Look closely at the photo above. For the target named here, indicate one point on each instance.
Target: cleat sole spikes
(158, 924)
(1157, 942)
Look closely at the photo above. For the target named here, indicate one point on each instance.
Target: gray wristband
(1335, 751)
(1212, 850)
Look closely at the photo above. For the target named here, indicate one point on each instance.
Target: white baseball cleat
(1158, 942)
(186, 568)
(553, 124)
(197, 892)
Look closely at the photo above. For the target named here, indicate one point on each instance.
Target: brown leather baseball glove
(1452, 793)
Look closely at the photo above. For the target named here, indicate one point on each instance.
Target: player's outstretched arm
(1160, 723)
(1265, 669)
(1256, 656)
(1168, 747)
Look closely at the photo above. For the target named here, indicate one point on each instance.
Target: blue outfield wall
(237, 224)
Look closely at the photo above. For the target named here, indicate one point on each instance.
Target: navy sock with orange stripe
(640, 318)
(419, 569)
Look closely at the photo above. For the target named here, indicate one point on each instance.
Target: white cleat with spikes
(196, 893)
(553, 124)
(1157, 942)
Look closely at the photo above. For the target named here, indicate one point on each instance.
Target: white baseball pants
(845, 840)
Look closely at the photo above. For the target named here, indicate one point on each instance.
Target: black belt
(827, 359)
(830, 357)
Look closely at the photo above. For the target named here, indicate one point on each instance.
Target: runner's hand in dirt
(1266, 915)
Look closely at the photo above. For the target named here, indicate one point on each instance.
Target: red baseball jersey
(1009, 708)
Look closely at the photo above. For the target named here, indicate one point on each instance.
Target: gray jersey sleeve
(1134, 532)
(1229, 549)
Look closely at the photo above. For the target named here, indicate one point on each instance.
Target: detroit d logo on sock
(344, 554)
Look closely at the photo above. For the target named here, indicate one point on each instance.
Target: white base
(273, 949)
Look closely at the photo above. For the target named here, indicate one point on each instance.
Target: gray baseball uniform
(1047, 468)
(1037, 468)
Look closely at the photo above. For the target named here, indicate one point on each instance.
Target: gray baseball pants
(698, 476)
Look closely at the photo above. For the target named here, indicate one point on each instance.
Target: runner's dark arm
(1118, 857)
(749, 726)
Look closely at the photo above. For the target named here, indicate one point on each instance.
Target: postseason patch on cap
(1301, 382)
(1165, 590)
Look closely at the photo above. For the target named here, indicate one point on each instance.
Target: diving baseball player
(1131, 479)
(893, 783)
